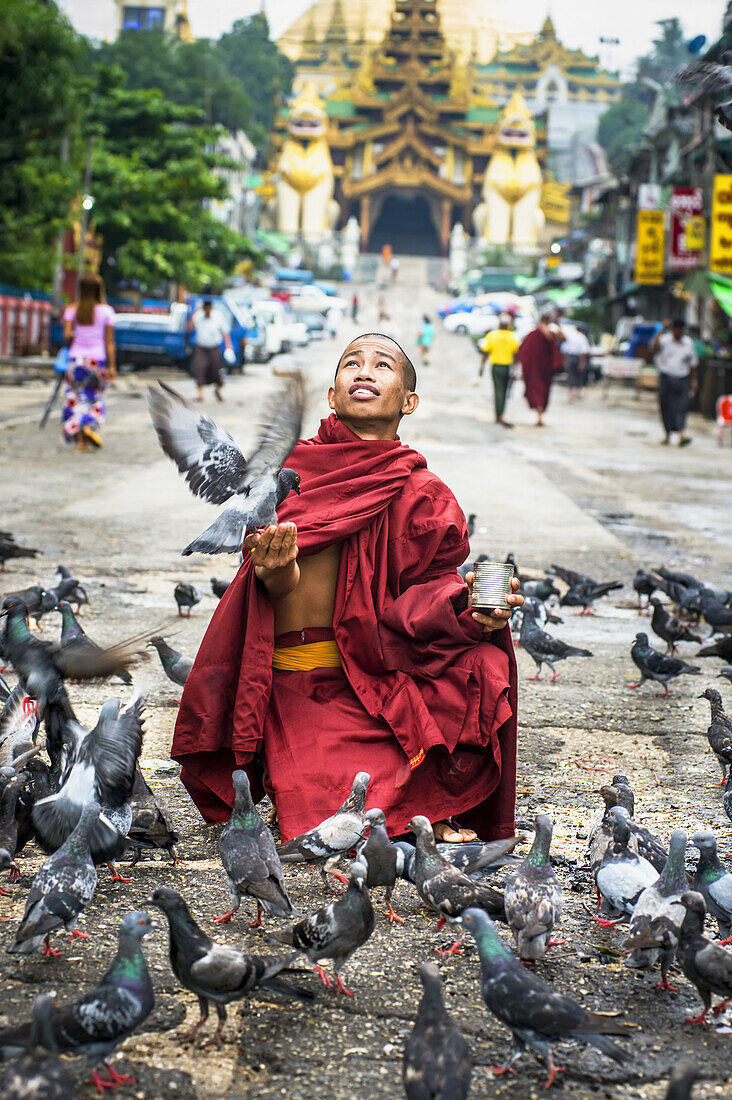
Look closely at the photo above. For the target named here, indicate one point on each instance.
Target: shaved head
(409, 374)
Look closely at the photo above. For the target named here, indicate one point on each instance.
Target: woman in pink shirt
(89, 332)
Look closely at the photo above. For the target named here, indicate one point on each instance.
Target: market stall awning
(710, 284)
(565, 295)
(272, 242)
(723, 293)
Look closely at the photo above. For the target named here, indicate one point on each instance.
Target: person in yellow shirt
(500, 347)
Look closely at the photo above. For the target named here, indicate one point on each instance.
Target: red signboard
(686, 203)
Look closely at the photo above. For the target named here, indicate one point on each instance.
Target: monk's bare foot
(449, 834)
(272, 817)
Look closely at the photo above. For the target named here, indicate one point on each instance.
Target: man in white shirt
(576, 350)
(211, 329)
(676, 359)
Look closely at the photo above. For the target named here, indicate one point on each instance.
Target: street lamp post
(87, 205)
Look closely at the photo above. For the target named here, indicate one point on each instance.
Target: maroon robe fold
(412, 654)
(540, 360)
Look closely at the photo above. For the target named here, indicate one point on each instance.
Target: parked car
(464, 303)
(313, 321)
(312, 297)
(476, 323)
(281, 332)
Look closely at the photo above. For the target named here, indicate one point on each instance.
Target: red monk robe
(422, 702)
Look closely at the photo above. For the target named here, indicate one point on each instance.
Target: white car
(312, 297)
(475, 323)
(281, 332)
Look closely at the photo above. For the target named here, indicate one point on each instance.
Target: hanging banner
(685, 252)
(649, 249)
(720, 240)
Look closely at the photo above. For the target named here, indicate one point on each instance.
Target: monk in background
(540, 360)
(347, 642)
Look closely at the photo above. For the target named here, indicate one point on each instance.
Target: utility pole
(58, 267)
(87, 203)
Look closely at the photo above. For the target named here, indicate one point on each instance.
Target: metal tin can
(491, 585)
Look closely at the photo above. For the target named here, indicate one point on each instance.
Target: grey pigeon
(681, 1081)
(727, 797)
(720, 648)
(669, 628)
(175, 666)
(533, 896)
(623, 875)
(543, 648)
(216, 469)
(706, 964)
(38, 1076)
(657, 666)
(585, 594)
(538, 610)
(186, 595)
(96, 1023)
(716, 613)
(78, 594)
(601, 833)
(644, 841)
(250, 859)
(214, 971)
(726, 672)
(719, 734)
(99, 766)
(645, 585)
(384, 862)
(75, 639)
(571, 578)
(653, 933)
(61, 890)
(10, 549)
(537, 1015)
(474, 857)
(9, 825)
(336, 930)
(714, 883)
(152, 827)
(445, 889)
(541, 589)
(219, 587)
(33, 598)
(437, 1063)
(332, 838)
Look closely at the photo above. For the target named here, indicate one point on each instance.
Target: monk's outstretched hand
(497, 618)
(274, 554)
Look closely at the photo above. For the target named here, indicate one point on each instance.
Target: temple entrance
(405, 223)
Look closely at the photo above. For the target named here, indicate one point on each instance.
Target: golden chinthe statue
(304, 179)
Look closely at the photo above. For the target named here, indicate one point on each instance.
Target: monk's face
(370, 386)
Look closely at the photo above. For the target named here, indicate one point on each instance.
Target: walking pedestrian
(425, 339)
(500, 346)
(333, 320)
(354, 307)
(394, 268)
(89, 335)
(576, 351)
(540, 360)
(676, 359)
(382, 310)
(211, 329)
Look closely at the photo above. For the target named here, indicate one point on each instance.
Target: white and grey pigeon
(19, 723)
(337, 930)
(99, 766)
(623, 875)
(331, 839)
(653, 933)
(250, 859)
(714, 883)
(533, 896)
(216, 469)
(96, 1023)
(62, 888)
(475, 857)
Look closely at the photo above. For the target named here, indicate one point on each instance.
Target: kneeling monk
(346, 641)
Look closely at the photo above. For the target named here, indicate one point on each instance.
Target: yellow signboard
(720, 243)
(694, 233)
(649, 247)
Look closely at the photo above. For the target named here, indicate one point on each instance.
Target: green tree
(620, 130)
(39, 56)
(265, 73)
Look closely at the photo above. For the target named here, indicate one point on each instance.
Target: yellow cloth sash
(304, 658)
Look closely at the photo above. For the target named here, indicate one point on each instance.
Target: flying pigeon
(714, 883)
(533, 896)
(332, 838)
(669, 628)
(445, 889)
(78, 593)
(187, 595)
(584, 595)
(216, 469)
(337, 930)
(623, 875)
(384, 862)
(219, 587)
(437, 1062)
(645, 585)
(61, 890)
(711, 79)
(250, 859)
(657, 666)
(10, 549)
(654, 928)
(9, 825)
(706, 964)
(101, 1019)
(719, 734)
(175, 666)
(18, 725)
(536, 1014)
(75, 639)
(151, 826)
(38, 1076)
(214, 971)
(99, 767)
(543, 648)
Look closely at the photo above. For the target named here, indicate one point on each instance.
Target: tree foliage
(265, 73)
(621, 127)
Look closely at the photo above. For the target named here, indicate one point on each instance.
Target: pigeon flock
(74, 803)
